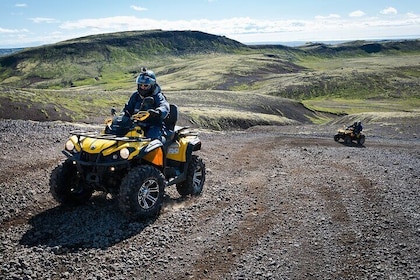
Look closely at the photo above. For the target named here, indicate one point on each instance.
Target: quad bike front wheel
(66, 185)
(141, 192)
(336, 137)
(347, 139)
(196, 176)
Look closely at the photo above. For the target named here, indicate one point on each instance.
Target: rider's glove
(154, 115)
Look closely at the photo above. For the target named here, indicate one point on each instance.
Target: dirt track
(278, 203)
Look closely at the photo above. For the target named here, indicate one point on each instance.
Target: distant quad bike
(347, 134)
(121, 161)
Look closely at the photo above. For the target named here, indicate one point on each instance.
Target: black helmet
(146, 82)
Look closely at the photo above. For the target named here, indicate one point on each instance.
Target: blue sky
(26, 23)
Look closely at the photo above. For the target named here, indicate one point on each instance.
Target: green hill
(107, 57)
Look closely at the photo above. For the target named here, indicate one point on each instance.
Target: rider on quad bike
(147, 86)
(356, 127)
(351, 133)
(126, 161)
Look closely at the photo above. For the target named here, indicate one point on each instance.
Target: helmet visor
(144, 86)
(143, 79)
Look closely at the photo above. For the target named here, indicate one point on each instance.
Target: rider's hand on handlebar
(154, 114)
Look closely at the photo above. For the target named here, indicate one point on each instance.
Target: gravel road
(278, 203)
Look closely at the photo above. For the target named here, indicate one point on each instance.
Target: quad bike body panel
(134, 167)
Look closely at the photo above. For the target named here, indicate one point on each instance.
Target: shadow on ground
(98, 224)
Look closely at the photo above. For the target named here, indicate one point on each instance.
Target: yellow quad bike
(121, 161)
(347, 134)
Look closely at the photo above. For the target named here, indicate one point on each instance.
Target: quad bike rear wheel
(66, 185)
(141, 192)
(196, 176)
(361, 140)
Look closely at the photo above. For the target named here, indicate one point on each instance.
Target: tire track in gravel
(340, 188)
(11, 172)
(391, 225)
(352, 199)
(253, 170)
(242, 171)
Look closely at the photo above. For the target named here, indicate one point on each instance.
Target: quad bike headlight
(69, 145)
(124, 153)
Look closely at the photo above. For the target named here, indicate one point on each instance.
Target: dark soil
(32, 111)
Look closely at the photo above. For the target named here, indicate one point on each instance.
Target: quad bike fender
(153, 153)
(182, 149)
(195, 144)
(192, 146)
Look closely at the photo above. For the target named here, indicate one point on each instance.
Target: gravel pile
(278, 203)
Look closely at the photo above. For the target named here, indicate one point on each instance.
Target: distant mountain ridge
(363, 47)
(7, 51)
(142, 43)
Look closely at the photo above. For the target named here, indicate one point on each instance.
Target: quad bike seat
(170, 122)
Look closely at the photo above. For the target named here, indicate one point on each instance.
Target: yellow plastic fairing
(137, 132)
(73, 139)
(178, 150)
(94, 145)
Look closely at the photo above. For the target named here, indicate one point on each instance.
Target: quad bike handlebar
(140, 116)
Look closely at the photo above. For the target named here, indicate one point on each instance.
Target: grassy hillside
(201, 108)
(104, 59)
(232, 84)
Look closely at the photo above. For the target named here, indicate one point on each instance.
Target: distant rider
(147, 86)
(356, 127)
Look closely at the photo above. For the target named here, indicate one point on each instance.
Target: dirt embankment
(279, 203)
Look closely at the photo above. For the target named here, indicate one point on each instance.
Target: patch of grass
(217, 119)
(82, 103)
(354, 106)
(394, 76)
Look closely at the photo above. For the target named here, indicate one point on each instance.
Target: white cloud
(236, 27)
(357, 13)
(43, 20)
(244, 29)
(138, 8)
(412, 15)
(389, 11)
(328, 17)
(222, 27)
(21, 5)
(12, 31)
(109, 23)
